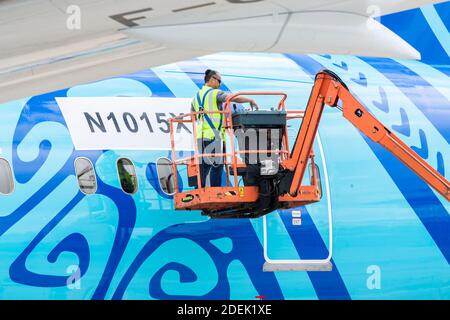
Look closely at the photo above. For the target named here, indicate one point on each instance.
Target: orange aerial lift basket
(262, 173)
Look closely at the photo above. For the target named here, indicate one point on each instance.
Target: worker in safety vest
(210, 127)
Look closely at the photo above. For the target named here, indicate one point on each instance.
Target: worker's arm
(242, 99)
(193, 109)
(223, 96)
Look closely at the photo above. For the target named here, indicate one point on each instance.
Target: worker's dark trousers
(211, 168)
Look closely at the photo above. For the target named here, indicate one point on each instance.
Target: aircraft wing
(50, 45)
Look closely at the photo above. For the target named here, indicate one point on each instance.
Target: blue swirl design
(39, 110)
(42, 110)
(265, 283)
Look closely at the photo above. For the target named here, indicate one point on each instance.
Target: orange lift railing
(284, 187)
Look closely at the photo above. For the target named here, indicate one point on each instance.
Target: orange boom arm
(329, 90)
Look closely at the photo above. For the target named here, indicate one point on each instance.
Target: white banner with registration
(126, 123)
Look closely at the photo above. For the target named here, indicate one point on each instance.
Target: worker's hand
(254, 105)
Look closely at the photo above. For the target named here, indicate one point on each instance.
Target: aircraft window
(127, 176)
(6, 177)
(165, 176)
(85, 175)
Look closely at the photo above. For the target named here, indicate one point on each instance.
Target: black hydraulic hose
(332, 74)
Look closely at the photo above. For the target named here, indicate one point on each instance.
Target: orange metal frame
(327, 90)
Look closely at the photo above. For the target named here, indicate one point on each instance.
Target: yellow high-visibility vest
(208, 125)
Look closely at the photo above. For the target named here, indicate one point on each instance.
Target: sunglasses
(219, 80)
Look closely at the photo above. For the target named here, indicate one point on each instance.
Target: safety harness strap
(207, 118)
